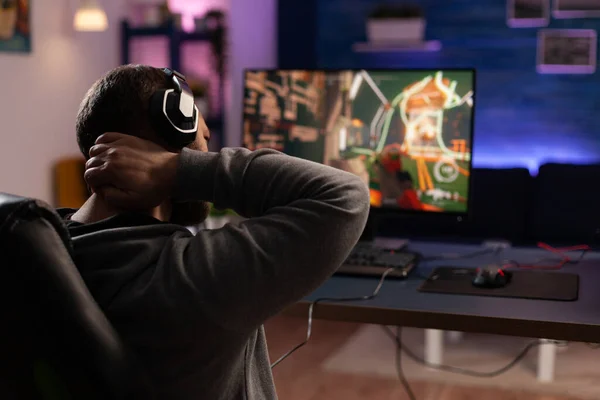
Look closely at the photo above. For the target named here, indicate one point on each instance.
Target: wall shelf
(176, 37)
(392, 47)
(165, 31)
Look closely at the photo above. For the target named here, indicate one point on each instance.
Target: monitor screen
(407, 133)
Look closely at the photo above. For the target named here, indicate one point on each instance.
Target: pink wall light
(195, 8)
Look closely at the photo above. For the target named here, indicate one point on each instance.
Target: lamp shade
(90, 17)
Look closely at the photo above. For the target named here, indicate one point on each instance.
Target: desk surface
(400, 303)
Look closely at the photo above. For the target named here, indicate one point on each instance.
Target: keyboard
(369, 260)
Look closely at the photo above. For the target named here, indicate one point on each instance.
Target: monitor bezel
(378, 212)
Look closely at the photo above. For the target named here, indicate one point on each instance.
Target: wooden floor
(300, 377)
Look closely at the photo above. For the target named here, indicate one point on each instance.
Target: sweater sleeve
(303, 220)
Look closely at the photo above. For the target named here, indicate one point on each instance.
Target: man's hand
(129, 172)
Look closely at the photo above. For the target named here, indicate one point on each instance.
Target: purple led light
(527, 22)
(189, 9)
(566, 69)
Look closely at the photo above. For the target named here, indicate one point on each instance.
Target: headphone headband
(176, 77)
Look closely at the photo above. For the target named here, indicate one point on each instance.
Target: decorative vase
(177, 20)
(200, 24)
(8, 22)
(396, 30)
(152, 16)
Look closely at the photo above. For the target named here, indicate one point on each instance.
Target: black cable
(462, 371)
(369, 297)
(399, 369)
(326, 299)
(561, 263)
(490, 250)
(577, 261)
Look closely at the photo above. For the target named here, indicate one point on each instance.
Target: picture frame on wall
(567, 51)
(15, 26)
(527, 13)
(576, 9)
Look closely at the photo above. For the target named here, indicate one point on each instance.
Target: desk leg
(546, 361)
(434, 346)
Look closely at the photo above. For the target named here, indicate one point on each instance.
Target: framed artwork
(15, 27)
(527, 13)
(576, 9)
(567, 51)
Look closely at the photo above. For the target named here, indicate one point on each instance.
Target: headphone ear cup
(158, 118)
(161, 122)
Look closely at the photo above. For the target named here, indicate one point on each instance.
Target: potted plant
(148, 13)
(396, 23)
(214, 23)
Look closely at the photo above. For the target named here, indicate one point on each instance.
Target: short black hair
(119, 102)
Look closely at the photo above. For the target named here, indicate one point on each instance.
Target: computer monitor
(407, 133)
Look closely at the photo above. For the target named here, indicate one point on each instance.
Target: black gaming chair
(55, 342)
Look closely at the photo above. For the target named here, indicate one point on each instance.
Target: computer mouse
(491, 277)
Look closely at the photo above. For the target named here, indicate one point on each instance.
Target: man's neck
(96, 209)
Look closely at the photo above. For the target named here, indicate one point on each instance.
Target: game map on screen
(406, 134)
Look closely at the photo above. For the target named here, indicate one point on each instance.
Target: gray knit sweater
(192, 307)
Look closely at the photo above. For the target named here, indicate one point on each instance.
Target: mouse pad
(538, 285)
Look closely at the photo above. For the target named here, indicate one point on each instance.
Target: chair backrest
(55, 342)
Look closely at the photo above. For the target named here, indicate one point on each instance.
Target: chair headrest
(14, 209)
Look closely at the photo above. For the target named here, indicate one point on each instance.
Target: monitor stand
(369, 236)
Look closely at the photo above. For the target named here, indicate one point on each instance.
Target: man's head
(120, 102)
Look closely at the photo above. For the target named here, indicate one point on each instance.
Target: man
(192, 307)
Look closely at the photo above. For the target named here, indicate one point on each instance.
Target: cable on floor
(399, 369)
(330, 299)
(462, 371)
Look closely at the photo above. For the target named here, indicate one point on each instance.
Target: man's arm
(304, 218)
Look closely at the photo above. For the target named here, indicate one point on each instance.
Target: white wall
(41, 91)
(253, 44)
